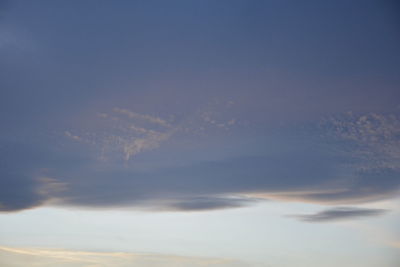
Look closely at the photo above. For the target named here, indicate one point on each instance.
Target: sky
(224, 133)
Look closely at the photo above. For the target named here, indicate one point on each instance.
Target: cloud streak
(339, 214)
(10, 256)
(207, 203)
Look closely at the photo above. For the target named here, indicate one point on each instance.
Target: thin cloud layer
(207, 203)
(11, 257)
(339, 214)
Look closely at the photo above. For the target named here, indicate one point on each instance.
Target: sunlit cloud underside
(13, 257)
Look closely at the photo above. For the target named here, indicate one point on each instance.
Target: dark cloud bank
(38, 175)
(61, 60)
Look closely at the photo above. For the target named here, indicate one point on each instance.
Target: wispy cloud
(10, 256)
(145, 117)
(125, 132)
(72, 136)
(373, 138)
(205, 203)
(138, 145)
(131, 133)
(340, 213)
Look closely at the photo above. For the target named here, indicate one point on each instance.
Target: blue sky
(216, 133)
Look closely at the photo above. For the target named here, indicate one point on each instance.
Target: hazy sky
(200, 133)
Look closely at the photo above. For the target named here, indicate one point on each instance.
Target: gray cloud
(18, 188)
(58, 72)
(374, 138)
(208, 203)
(69, 174)
(360, 187)
(340, 213)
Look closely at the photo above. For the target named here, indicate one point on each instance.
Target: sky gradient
(200, 133)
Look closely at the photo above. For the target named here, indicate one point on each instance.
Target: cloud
(142, 144)
(125, 132)
(359, 187)
(15, 257)
(196, 186)
(212, 115)
(374, 138)
(130, 133)
(18, 188)
(74, 137)
(288, 167)
(207, 203)
(340, 213)
(145, 117)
